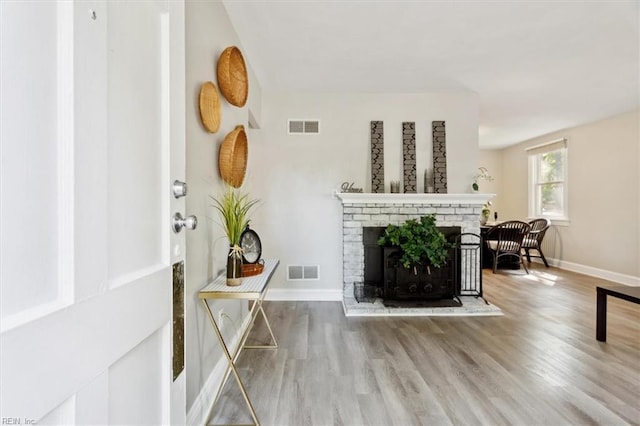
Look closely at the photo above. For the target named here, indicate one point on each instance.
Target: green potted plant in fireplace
(420, 242)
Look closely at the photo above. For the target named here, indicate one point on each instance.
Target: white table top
(251, 287)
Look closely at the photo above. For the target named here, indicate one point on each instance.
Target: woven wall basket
(232, 159)
(232, 76)
(209, 107)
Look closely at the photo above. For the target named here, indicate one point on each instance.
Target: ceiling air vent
(304, 127)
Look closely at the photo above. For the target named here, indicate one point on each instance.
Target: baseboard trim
(594, 272)
(200, 410)
(304, 294)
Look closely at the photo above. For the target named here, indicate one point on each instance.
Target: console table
(625, 292)
(253, 288)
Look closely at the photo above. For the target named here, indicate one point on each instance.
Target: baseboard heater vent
(303, 272)
(304, 127)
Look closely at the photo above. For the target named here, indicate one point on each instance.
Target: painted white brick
(397, 219)
(408, 210)
(355, 216)
(353, 268)
(427, 210)
(464, 210)
(352, 224)
(353, 249)
(352, 231)
(371, 210)
(390, 210)
(354, 279)
(382, 223)
(380, 218)
(445, 210)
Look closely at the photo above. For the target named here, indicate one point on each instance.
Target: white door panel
(28, 160)
(88, 56)
(86, 199)
(136, 402)
(58, 354)
(135, 127)
(63, 414)
(91, 408)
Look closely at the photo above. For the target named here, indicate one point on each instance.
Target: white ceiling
(537, 66)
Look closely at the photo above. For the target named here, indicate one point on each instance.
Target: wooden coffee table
(631, 294)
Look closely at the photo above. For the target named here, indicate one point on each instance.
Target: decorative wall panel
(409, 157)
(178, 319)
(439, 157)
(377, 157)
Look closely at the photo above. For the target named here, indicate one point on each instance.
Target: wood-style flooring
(539, 364)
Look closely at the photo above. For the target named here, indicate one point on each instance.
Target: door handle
(179, 222)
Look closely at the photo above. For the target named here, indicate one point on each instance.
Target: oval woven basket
(232, 160)
(210, 107)
(232, 76)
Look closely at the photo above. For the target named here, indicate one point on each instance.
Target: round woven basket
(232, 160)
(209, 107)
(232, 76)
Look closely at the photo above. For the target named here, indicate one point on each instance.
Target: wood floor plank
(538, 364)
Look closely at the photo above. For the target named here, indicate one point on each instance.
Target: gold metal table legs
(233, 357)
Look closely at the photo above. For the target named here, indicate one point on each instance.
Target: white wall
(300, 221)
(208, 33)
(492, 160)
(604, 195)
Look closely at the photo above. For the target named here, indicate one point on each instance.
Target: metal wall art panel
(439, 157)
(409, 157)
(377, 157)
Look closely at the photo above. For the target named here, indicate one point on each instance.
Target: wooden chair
(505, 239)
(533, 240)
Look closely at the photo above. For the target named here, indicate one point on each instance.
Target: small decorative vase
(483, 220)
(234, 266)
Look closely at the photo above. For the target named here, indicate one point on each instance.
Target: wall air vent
(299, 272)
(304, 127)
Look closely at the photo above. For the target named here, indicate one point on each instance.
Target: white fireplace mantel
(432, 199)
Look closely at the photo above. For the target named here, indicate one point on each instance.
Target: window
(548, 180)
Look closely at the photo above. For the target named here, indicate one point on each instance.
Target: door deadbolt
(179, 189)
(179, 222)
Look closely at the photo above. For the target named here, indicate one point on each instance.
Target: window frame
(534, 159)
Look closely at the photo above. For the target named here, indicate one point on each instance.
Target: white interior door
(92, 126)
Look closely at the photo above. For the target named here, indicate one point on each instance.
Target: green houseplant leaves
(234, 208)
(420, 241)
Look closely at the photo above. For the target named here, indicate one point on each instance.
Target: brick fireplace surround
(364, 210)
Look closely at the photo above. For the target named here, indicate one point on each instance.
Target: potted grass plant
(234, 207)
